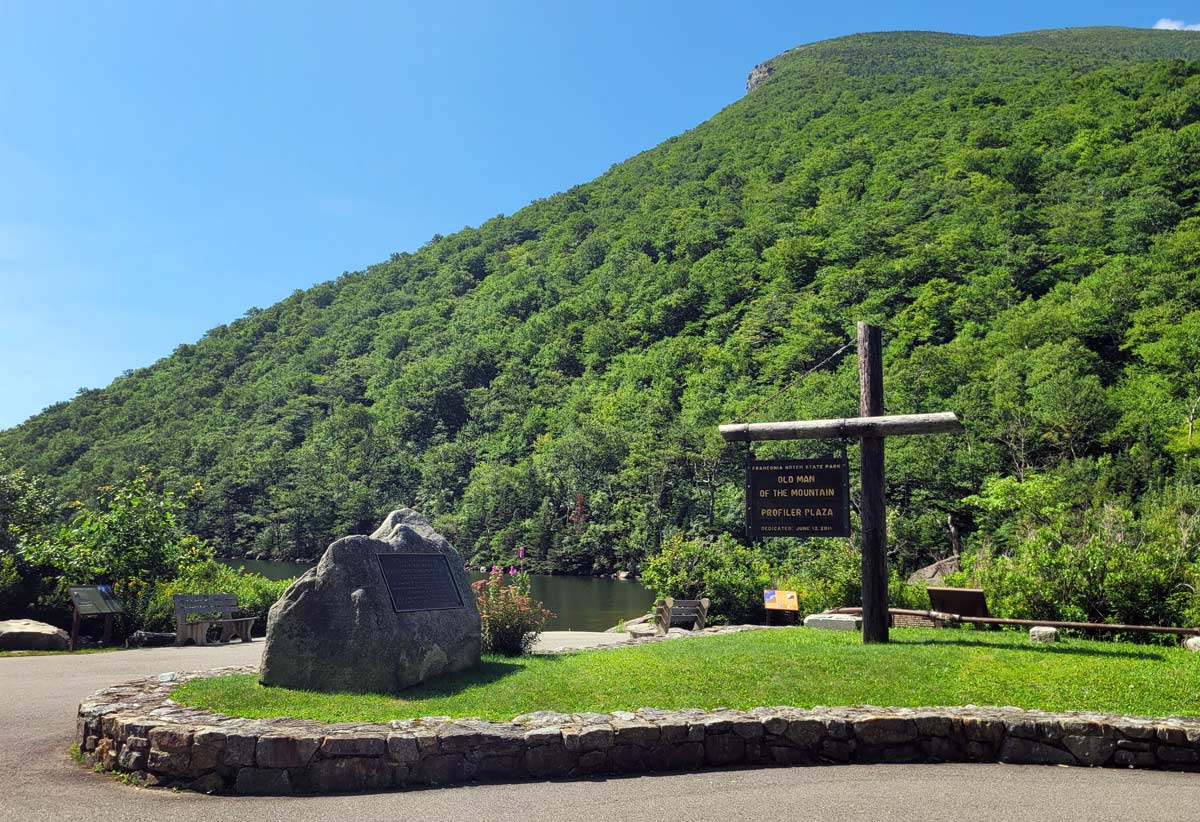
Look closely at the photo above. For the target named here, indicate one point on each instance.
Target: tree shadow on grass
(1039, 649)
(485, 673)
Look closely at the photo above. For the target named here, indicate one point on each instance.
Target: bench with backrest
(679, 613)
(212, 610)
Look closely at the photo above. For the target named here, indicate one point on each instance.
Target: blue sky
(166, 166)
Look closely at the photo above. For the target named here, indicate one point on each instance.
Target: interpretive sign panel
(92, 600)
(798, 498)
(780, 600)
(419, 582)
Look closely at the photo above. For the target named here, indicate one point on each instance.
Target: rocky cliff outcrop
(758, 76)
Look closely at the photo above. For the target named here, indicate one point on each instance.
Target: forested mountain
(1019, 214)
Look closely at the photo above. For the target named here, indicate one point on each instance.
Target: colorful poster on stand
(780, 600)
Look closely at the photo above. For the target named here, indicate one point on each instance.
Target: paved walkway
(551, 641)
(38, 697)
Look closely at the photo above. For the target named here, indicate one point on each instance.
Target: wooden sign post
(93, 600)
(869, 428)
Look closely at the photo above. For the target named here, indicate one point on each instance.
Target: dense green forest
(1019, 214)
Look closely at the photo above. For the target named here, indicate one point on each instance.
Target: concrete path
(38, 697)
(551, 641)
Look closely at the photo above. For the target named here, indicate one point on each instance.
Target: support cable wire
(746, 417)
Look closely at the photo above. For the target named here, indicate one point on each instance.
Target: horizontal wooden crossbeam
(893, 425)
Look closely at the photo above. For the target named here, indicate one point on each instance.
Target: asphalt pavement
(39, 696)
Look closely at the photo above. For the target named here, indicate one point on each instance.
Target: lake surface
(581, 603)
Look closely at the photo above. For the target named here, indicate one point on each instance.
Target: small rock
(31, 635)
(1192, 643)
(1043, 633)
(834, 622)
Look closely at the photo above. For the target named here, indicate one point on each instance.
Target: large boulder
(337, 628)
(31, 635)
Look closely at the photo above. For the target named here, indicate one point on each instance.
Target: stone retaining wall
(137, 728)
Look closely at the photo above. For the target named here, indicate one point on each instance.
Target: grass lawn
(797, 667)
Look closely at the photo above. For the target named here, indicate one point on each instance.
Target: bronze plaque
(90, 600)
(798, 498)
(419, 582)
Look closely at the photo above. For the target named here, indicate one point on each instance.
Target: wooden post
(870, 428)
(75, 618)
(874, 514)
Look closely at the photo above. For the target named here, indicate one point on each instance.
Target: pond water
(581, 603)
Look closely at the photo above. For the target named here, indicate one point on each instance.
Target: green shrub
(132, 540)
(829, 575)
(255, 593)
(12, 585)
(1057, 561)
(824, 574)
(510, 620)
(732, 576)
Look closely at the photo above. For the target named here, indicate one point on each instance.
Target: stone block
(171, 763)
(934, 725)
(444, 769)
(239, 750)
(1172, 735)
(673, 730)
(724, 749)
(207, 747)
(209, 783)
(838, 728)
(1133, 759)
(1019, 751)
(170, 738)
(549, 760)
(983, 729)
(1042, 634)
(883, 731)
(492, 740)
(805, 733)
(944, 749)
(1090, 750)
(500, 766)
(781, 755)
(837, 750)
(588, 738)
(627, 758)
(334, 746)
(1177, 756)
(263, 782)
(403, 749)
(285, 751)
(642, 734)
(350, 773)
(747, 727)
(131, 760)
(834, 622)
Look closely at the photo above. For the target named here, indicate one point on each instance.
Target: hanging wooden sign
(798, 498)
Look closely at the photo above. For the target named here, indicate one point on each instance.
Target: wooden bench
(679, 613)
(210, 606)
